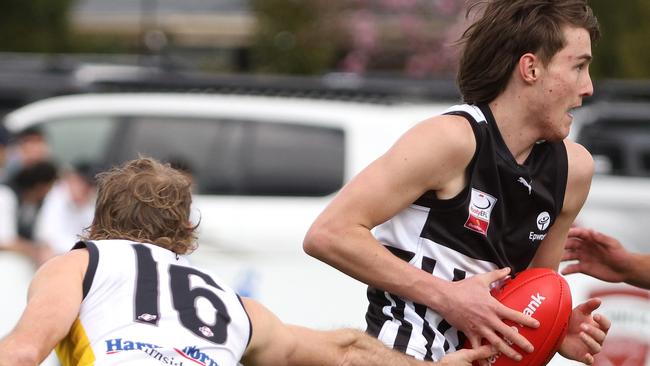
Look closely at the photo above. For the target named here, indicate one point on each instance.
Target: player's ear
(528, 67)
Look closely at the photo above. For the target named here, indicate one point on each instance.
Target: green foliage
(624, 48)
(34, 25)
(295, 36)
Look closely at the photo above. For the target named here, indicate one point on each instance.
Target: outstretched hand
(465, 357)
(597, 255)
(586, 333)
(471, 309)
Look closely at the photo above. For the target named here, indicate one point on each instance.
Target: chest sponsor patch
(480, 208)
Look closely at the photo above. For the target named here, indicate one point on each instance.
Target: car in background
(617, 134)
(616, 130)
(263, 167)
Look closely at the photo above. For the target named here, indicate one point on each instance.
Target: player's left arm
(580, 172)
(586, 332)
(54, 299)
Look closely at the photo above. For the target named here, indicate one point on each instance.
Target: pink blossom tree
(415, 38)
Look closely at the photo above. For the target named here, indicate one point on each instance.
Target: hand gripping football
(543, 294)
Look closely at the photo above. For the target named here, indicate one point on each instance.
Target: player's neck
(515, 125)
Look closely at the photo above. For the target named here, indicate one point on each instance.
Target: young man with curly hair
(128, 296)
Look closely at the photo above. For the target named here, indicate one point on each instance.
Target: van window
(289, 159)
(80, 139)
(619, 146)
(240, 157)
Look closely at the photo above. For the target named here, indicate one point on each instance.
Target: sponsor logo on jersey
(147, 317)
(543, 221)
(526, 184)
(206, 331)
(480, 208)
(191, 353)
(118, 344)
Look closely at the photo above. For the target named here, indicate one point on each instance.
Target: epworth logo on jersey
(480, 208)
(543, 221)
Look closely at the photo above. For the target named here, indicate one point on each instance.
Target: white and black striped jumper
(497, 221)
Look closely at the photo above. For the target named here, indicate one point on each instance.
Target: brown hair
(509, 29)
(144, 201)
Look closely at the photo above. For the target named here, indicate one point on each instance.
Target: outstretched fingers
(573, 244)
(588, 307)
(594, 331)
(510, 333)
(494, 276)
(594, 334)
(572, 268)
(604, 324)
(502, 346)
(581, 233)
(517, 317)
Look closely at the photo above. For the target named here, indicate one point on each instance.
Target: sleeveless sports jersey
(144, 305)
(497, 221)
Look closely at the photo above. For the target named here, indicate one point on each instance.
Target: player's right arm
(54, 299)
(275, 343)
(432, 156)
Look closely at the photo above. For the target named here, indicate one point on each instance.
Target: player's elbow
(320, 241)
(20, 356)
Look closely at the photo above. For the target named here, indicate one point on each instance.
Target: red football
(543, 294)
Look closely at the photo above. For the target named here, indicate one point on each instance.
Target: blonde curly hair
(145, 201)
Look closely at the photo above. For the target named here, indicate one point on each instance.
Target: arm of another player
(54, 299)
(275, 343)
(604, 257)
(432, 156)
(586, 332)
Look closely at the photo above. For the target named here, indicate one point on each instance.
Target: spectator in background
(4, 142)
(27, 148)
(8, 216)
(21, 204)
(68, 208)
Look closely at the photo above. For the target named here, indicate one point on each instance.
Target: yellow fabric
(75, 349)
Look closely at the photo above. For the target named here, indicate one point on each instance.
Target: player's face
(565, 82)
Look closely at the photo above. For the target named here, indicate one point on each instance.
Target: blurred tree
(409, 37)
(35, 25)
(623, 50)
(295, 36)
(413, 38)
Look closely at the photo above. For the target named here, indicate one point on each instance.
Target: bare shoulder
(450, 129)
(432, 153)
(448, 138)
(73, 263)
(77, 258)
(581, 170)
(581, 164)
